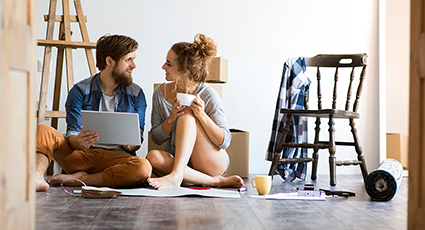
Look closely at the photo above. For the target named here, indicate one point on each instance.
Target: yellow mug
(262, 183)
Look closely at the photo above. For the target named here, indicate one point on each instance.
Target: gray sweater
(162, 108)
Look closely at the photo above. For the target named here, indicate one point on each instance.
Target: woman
(197, 135)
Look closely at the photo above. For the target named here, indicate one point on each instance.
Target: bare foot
(229, 182)
(171, 180)
(58, 178)
(40, 183)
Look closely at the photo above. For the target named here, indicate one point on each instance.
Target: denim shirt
(87, 95)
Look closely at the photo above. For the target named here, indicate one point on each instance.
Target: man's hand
(83, 140)
(131, 148)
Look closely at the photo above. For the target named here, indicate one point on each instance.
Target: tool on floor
(73, 192)
(242, 189)
(99, 192)
(308, 190)
(338, 193)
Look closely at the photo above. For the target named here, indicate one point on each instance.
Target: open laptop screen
(113, 127)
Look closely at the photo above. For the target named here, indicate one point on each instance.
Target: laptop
(113, 127)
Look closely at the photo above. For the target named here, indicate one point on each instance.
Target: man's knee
(48, 134)
(141, 169)
(42, 128)
(145, 168)
(136, 170)
(46, 140)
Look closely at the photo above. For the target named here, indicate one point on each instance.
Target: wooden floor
(62, 211)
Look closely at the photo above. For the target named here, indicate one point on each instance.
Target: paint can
(382, 183)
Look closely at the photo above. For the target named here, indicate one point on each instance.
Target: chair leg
(280, 146)
(359, 149)
(275, 162)
(332, 150)
(316, 150)
(314, 166)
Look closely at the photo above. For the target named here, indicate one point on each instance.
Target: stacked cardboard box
(218, 70)
(398, 148)
(239, 154)
(239, 147)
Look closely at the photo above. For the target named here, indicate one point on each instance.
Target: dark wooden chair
(348, 112)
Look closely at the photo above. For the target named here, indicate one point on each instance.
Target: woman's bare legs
(209, 162)
(162, 163)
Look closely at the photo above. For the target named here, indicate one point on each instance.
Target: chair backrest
(339, 61)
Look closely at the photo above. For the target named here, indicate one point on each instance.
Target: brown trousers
(118, 169)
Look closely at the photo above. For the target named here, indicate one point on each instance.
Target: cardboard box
(239, 154)
(156, 85)
(398, 148)
(152, 145)
(218, 70)
(217, 87)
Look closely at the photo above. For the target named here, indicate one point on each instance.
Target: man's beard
(121, 78)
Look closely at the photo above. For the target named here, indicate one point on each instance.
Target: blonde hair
(195, 58)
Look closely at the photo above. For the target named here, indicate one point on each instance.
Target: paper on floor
(288, 196)
(179, 191)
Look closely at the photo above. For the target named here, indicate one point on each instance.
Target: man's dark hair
(114, 46)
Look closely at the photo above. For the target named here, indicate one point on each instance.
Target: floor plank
(56, 209)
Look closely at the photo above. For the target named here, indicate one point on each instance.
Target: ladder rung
(59, 18)
(70, 44)
(55, 114)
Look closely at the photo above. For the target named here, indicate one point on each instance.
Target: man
(78, 154)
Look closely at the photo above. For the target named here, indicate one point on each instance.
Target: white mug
(185, 99)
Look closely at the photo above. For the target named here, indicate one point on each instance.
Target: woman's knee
(188, 116)
(155, 158)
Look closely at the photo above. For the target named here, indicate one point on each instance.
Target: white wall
(256, 37)
(397, 65)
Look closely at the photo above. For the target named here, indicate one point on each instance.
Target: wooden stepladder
(64, 46)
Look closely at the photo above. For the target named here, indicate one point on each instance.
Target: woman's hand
(214, 132)
(198, 107)
(176, 111)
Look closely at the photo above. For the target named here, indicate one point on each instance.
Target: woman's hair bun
(205, 46)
